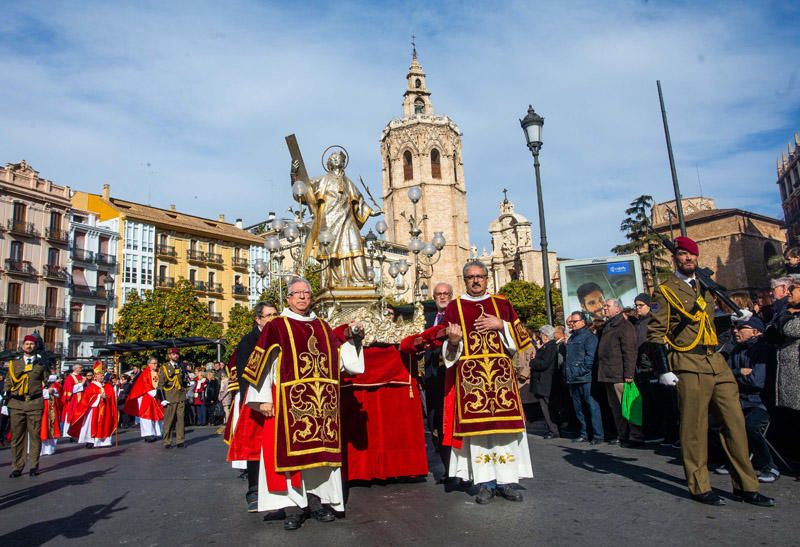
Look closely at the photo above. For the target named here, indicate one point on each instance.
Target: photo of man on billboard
(587, 284)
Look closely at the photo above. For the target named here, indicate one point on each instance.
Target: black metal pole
(543, 232)
(675, 185)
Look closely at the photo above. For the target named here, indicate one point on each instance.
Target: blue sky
(189, 102)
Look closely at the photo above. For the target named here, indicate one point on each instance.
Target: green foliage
(528, 300)
(170, 313)
(643, 241)
(240, 323)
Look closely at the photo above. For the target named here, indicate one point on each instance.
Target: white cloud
(205, 95)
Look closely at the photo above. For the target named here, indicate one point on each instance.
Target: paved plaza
(141, 494)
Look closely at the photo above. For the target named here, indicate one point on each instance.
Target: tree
(528, 300)
(240, 322)
(173, 313)
(642, 241)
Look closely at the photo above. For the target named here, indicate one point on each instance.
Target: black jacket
(543, 365)
(246, 346)
(756, 354)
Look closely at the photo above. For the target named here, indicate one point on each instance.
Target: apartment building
(34, 239)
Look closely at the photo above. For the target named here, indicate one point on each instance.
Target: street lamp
(532, 127)
(108, 284)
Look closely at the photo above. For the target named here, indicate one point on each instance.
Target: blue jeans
(582, 393)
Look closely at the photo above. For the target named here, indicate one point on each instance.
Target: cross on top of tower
(505, 195)
(414, 45)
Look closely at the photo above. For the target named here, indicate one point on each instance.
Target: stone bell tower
(423, 149)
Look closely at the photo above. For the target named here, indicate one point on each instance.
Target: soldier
(683, 328)
(25, 379)
(171, 381)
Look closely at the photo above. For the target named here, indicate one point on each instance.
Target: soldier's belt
(699, 350)
(26, 397)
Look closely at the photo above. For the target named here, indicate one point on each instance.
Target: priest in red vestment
(96, 414)
(483, 418)
(293, 379)
(51, 416)
(142, 402)
(72, 389)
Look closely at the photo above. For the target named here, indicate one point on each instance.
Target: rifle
(703, 275)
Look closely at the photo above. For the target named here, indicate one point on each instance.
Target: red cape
(70, 400)
(105, 417)
(149, 408)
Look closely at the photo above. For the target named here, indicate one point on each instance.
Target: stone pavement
(141, 494)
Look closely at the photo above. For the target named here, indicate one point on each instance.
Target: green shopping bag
(632, 404)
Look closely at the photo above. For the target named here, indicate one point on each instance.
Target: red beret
(687, 245)
(30, 338)
(174, 350)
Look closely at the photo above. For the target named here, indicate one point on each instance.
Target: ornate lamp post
(430, 252)
(532, 127)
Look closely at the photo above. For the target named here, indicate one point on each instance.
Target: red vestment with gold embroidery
(481, 393)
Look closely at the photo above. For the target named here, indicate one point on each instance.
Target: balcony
(103, 259)
(87, 329)
(57, 236)
(22, 228)
(215, 288)
(82, 255)
(165, 283)
(55, 314)
(239, 263)
(13, 309)
(166, 251)
(216, 317)
(193, 255)
(19, 267)
(214, 259)
(198, 286)
(83, 291)
(239, 291)
(54, 272)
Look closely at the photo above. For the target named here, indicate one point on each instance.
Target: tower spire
(416, 99)
(413, 46)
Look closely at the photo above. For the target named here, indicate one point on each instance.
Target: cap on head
(644, 298)
(687, 244)
(30, 338)
(174, 351)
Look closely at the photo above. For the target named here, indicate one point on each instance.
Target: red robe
(305, 431)
(51, 415)
(149, 408)
(105, 416)
(481, 392)
(70, 400)
(244, 440)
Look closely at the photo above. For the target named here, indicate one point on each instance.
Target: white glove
(164, 403)
(45, 394)
(746, 314)
(668, 379)
(77, 389)
(152, 393)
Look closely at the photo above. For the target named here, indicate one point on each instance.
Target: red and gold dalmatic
(306, 430)
(481, 393)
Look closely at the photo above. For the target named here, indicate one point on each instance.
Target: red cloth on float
(149, 408)
(246, 440)
(104, 417)
(51, 415)
(480, 401)
(70, 400)
(382, 420)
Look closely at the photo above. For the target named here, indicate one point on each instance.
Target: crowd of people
(706, 381)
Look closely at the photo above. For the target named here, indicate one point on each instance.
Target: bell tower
(424, 150)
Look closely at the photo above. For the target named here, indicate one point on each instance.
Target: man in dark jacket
(616, 366)
(543, 365)
(581, 349)
(749, 361)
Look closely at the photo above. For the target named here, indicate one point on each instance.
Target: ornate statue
(339, 212)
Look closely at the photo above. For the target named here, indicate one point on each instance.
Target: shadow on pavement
(91, 455)
(31, 492)
(77, 525)
(196, 440)
(610, 464)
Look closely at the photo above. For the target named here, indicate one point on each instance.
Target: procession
(367, 365)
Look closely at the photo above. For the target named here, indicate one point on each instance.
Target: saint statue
(339, 212)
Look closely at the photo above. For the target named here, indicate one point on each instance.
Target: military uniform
(684, 320)
(169, 381)
(24, 382)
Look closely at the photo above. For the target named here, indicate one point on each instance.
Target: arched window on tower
(436, 164)
(408, 168)
(389, 168)
(455, 166)
(419, 106)
(417, 83)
